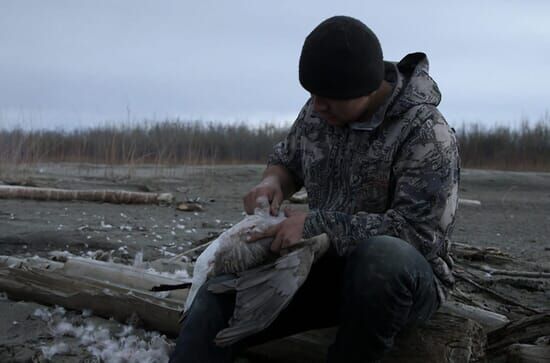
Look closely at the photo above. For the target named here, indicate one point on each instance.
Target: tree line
(173, 142)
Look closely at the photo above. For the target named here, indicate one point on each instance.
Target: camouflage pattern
(395, 174)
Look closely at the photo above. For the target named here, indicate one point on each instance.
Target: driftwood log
(105, 289)
(91, 195)
(445, 338)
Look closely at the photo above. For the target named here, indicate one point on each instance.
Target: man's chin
(334, 122)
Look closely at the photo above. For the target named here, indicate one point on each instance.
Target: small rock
(101, 255)
(544, 340)
(190, 207)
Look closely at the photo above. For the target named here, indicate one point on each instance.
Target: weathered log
(523, 331)
(92, 195)
(527, 353)
(119, 274)
(445, 338)
(96, 285)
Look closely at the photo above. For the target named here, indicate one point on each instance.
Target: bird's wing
(262, 293)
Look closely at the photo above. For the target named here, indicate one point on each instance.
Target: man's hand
(270, 187)
(287, 233)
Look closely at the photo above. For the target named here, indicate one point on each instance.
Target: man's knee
(385, 258)
(384, 250)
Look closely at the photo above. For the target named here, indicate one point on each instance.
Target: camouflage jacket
(395, 174)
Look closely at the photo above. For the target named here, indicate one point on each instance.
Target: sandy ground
(514, 216)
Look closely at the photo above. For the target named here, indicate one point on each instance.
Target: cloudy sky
(67, 64)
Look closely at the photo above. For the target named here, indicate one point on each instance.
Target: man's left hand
(286, 233)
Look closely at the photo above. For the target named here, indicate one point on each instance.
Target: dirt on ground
(514, 217)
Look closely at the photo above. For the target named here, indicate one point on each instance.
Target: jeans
(384, 285)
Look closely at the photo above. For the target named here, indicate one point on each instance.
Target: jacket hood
(412, 86)
(418, 87)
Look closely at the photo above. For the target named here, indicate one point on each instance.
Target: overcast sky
(78, 63)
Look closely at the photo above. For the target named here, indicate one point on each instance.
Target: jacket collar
(394, 77)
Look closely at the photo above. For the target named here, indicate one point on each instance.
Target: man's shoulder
(422, 116)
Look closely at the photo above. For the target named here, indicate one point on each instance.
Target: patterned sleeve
(423, 209)
(288, 152)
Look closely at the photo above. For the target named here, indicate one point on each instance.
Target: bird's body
(231, 253)
(264, 282)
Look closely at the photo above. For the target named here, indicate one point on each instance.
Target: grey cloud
(239, 59)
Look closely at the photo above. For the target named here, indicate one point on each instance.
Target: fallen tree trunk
(91, 195)
(113, 290)
(103, 289)
(446, 338)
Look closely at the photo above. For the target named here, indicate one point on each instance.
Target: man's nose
(319, 105)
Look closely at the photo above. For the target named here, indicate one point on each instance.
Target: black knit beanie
(341, 59)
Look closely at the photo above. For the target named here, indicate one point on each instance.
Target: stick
(504, 298)
(209, 240)
(301, 197)
(472, 253)
(529, 274)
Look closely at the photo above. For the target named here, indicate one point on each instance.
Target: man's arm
(425, 198)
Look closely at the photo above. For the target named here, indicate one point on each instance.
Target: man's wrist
(271, 179)
(283, 178)
(311, 225)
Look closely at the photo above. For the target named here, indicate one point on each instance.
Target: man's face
(340, 112)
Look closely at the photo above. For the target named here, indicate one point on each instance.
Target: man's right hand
(270, 188)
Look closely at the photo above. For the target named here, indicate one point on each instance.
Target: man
(381, 169)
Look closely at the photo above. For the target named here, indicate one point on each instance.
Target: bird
(264, 282)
